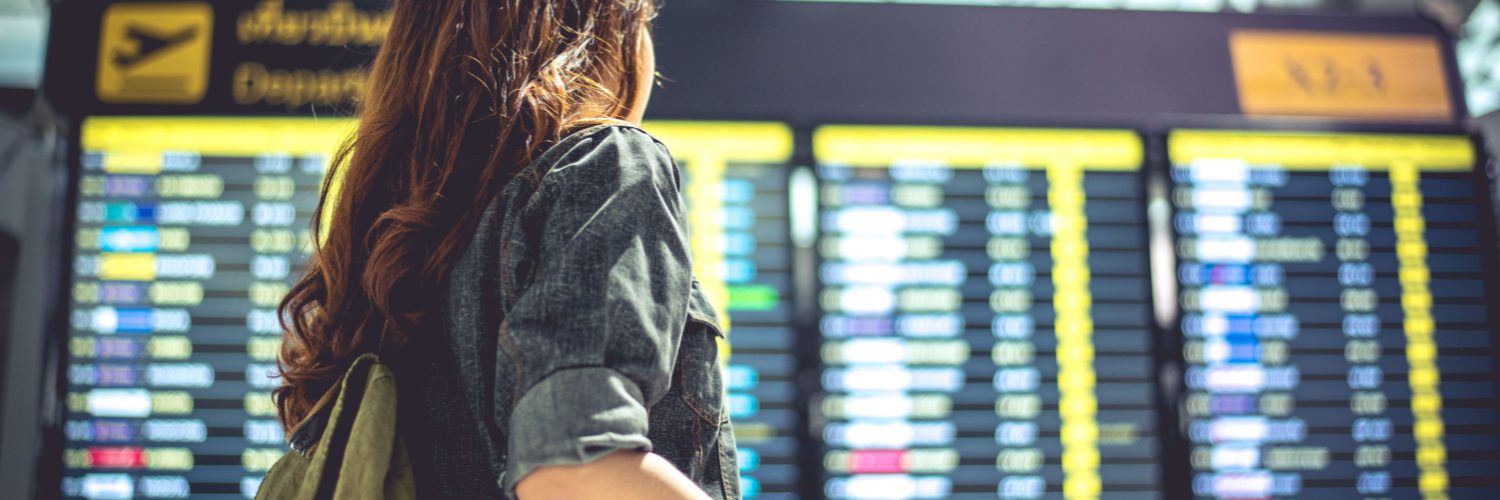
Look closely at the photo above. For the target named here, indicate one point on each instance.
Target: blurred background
(1024, 249)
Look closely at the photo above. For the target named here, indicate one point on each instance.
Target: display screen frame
(1155, 168)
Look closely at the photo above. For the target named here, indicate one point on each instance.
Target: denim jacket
(573, 328)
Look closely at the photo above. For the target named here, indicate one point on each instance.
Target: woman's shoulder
(617, 150)
(613, 130)
(611, 135)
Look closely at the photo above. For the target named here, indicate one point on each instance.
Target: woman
(514, 246)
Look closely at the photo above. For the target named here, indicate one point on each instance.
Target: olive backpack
(357, 454)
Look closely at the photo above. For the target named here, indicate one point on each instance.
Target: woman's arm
(622, 475)
(592, 342)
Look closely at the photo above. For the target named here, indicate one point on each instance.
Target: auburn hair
(461, 96)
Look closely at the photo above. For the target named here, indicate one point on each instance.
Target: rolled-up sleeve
(593, 339)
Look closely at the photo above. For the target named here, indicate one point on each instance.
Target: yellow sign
(154, 53)
(1340, 75)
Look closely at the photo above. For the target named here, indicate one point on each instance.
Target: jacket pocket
(729, 461)
(684, 425)
(698, 371)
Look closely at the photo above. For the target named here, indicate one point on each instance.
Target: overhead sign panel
(1340, 75)
(155, 53)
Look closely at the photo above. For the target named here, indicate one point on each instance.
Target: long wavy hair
(462, 95)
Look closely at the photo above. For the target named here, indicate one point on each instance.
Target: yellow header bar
(734, 141)
(966, 147)
(1320, 151)
(136, 143)
(216, 136)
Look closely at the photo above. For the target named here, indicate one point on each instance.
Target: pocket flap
(701, 311)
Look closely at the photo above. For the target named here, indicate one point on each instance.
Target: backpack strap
(307, 432)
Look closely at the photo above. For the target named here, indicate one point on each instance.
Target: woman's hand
(622, 475)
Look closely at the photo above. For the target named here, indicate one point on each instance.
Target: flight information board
(190, 230)
(1334, 325)
(986, 310)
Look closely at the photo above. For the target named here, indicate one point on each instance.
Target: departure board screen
(191, 229)
(986, 306)
(1334, 322)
